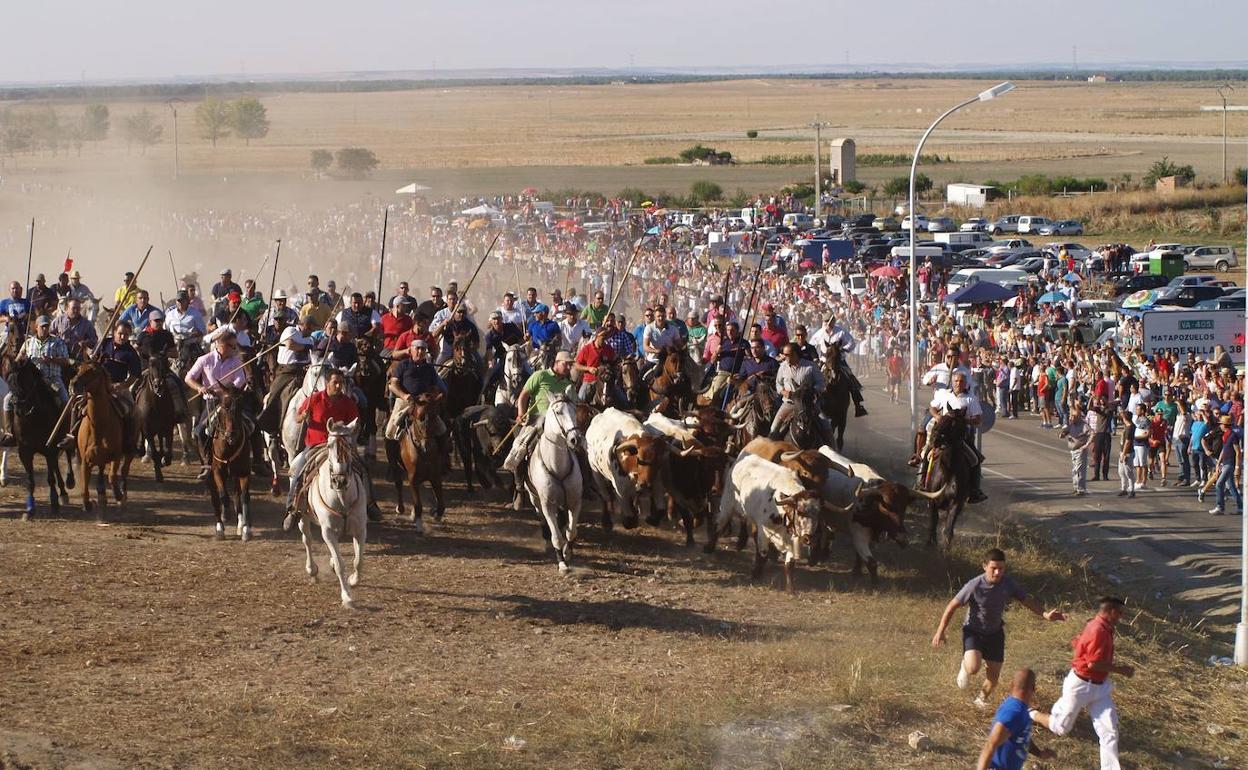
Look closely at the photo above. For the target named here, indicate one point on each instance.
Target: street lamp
(1222, 89)
(173, 107)
(1241, 630)
(998, 90)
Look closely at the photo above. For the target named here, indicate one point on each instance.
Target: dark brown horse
(157, 415)
(231, 461)
(106, 439)
(35, 412)
(463, 389)
(671, 392)
(834, 401)
(945, 478)
(423, 457)
(370, 377)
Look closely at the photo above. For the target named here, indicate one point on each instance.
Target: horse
(671, 391)
(515, 370)
(188, 352)
(231, 461)
(544, 357)
(35, 412)
(946, 478)
(289, 436)
(105, 438)
(338, 499)
(369, 378)
(463, 389)
(156, 413)
(834, 401)
(554, 478)
(422, 458)
(751, 411)
(631, 383)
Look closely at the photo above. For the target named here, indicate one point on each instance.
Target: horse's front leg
(244, 508)
(217, 492)
(335, 559)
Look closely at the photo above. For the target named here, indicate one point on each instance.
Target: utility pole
(818, 126)
(173, 107)
(1222, 89)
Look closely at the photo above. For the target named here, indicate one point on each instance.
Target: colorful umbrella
(647, 204)
(564, 224)
(1142, 298)
(886, 271)
(529, 191)
(1052, 297)
(1072, 276)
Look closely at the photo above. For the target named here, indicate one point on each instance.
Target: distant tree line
(246, 118)
(44, 129)
(352, 162)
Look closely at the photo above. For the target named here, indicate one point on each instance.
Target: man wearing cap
(75, 330)
(512, 314)
(500, 335)
(225, 286)
(531, 408)
(185, 323)
(220, 365)
(226, 309)
(157, 340)
(79, 290)
(395, 323)
(16, 308)
(43, 299)
(48, 354)
(359, 320)
(121, 361)
(541, 328)
(415, 376)
(279, 308)
(832, 333)
(573, 331)
(1087, 684)
(292, 361)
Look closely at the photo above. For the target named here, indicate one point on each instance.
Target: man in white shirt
(292, 362)
(658, 336)
(512, 314)
(573, 329)
(940, 375)
(184, 322)
(832, 334)
(958, 397)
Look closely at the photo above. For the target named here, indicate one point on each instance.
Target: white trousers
(1096, 698)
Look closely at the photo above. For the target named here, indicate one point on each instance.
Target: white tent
(479, 211)
(415, 188)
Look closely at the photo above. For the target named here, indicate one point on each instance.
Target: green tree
(1164, 168)
(249, 119)
(356, 162)
(705, 191)
(322, 160)
(898, 185)
(142, 129)
(1240, 176)
(94, 123)
(213, 118)
(751, 134)
(854, 187)
(49, 132)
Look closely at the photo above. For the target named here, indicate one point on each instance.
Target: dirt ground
(148, 644)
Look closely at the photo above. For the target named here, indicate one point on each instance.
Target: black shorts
(990, 646)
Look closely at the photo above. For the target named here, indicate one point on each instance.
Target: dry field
(147, 644)
(1102, 129)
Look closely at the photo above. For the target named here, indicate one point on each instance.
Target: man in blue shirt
(541, 328)
(16, 308)
(138, 314)
(1009, 742)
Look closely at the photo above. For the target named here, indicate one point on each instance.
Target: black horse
(36, 408)
(948, 473)
(157, 413)
(834, 401)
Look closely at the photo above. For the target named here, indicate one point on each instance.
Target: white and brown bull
(783, 512)
(629, 467)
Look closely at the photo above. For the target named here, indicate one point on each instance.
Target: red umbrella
(566, 223)
(886, 271)
(808, 264)
(529, 191)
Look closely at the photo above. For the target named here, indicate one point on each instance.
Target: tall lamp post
(992, 93)
(1222, 89)
(173, 107)
(1241, 630)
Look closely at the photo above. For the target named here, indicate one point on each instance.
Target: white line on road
(1017, 437)
(1011, 478)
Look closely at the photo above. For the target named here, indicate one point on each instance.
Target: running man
(1010, 740)
(983, 633)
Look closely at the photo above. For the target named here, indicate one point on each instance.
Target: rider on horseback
(589, 360)
(121, 361)
(831, 334)
(531, 409)
(958, 398)
(412, 378)
(48, 353)
(219, 365)
(498, 336)
(797, 381)
(333, 403)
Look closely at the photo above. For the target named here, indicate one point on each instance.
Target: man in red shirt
(419, 331)
(333, 403)
(394, 323)
(1087, 685)
(592, 356)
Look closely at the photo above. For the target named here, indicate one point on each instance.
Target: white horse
(338, 498)
(514, 368)
(554, 480)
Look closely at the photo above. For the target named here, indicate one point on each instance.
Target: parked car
(1006, 224)
(1006, 245)
(941, 225)
(1188, 296)
(875, 251)
(1012, 257)
(1080, 252)
(1031, 265)
(974, 225)
(1220, 258)
(833, 221)
(920, 222)
(1221, 303)
(1133, 283)
(1029, 224)
(1193, 280)
(885, 223)
(858, 220)
(976, 255)
(1064, 227)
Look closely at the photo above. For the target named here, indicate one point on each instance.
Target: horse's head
(91, 376)
(364, 348)
(338, 458)
(24, 380)
(561, 421)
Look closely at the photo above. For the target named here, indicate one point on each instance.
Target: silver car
(1220, 258)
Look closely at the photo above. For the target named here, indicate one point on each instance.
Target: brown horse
(105, 438)
(231, 461)
(370, 377)
(463, 388)
(671, 391)
(423, 457)
(834, 401)
(156, 413)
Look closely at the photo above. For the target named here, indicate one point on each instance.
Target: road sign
(1194, 331)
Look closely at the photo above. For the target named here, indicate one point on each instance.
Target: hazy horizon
(143, 40)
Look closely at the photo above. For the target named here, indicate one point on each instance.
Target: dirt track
(148, 644)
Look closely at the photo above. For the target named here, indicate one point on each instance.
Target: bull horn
(833, 508)
(790, 456)
(929, 495)
(687, 452)
(481, 424)
(627, 446)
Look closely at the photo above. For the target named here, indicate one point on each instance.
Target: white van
(798, 221)
(1032, 224)
(970, 240)
(855, 284)
(971, 275)
(920, 253)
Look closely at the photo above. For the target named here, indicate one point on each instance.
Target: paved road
(1162, 543)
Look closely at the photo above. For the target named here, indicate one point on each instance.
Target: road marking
(1017, 437)
(1011, 478)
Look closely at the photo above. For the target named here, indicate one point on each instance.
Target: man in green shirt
(596, 311)
(253, 302)
(531, 409)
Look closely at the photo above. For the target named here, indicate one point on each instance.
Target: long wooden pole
(273, 280)
(107, 331)
(30, 257)
(624, 278)
(173, 269)
(259, 270)
(745, 329)
(463, 294)
(381, 268)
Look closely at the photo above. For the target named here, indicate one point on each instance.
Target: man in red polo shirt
(1087, 685)
(588, 359)
(397, 321)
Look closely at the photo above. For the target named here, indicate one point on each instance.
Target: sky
(66, 40)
